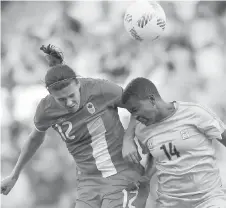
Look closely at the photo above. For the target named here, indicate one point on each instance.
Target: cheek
(149, 112)
(143, 113)
(61, 102)
(78, 97)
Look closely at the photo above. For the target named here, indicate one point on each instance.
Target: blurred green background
(188, 63)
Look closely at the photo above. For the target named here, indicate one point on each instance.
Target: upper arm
(130, 131)
(209, 123)
(37, 135)
(41, 121)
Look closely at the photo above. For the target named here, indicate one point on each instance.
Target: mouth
(143, 120)
(71, 107)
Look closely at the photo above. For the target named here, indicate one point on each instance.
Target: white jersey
(185, 158)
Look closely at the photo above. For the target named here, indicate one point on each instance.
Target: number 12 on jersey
(170, 151)
(129, 203)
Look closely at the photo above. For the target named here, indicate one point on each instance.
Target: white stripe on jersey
(101, 154)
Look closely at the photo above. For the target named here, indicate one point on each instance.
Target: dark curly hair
(54, 54)
(59, 75)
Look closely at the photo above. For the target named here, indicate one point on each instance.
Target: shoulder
(98, 85)
(90, 89)
(90, 83)
(94, 81)
(197, 109)
(42, 109)
(44, 104)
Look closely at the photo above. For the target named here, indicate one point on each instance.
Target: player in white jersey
(179, 136)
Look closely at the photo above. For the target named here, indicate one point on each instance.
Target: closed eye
(133, 110)
(72, 95)
(62, 99)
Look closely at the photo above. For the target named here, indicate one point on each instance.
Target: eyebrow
(133, 108)
(66, 97)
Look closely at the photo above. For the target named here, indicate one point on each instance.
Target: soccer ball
(145, 20)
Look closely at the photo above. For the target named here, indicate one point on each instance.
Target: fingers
(130, 152)
(4, 190)
(133, 157)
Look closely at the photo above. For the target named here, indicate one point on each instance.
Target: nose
(69, 103)
(135, 115)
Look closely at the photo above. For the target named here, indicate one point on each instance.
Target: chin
(150, 122)
(74, 109)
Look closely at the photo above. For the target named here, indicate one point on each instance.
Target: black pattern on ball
(143, 21)
(161, 23)
(134, 34)
(128, 18)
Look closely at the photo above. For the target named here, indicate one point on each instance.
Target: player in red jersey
(84, 112)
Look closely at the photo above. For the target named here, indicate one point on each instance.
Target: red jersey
(94, 133)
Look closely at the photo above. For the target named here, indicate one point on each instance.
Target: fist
(130, 152)
(7, 184)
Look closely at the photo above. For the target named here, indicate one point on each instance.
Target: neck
(165, 110)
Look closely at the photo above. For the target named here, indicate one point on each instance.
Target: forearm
(129, 136)
(27, 152)
(130, 132)
(150, 168)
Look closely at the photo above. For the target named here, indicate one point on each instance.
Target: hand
(7, 184)
(130, 152)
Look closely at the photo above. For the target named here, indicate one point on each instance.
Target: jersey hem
(38, 129)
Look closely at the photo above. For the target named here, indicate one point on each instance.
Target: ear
(77, 83)
(152, 99)
(48, 90)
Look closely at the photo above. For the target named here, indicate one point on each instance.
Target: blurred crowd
(188, 63)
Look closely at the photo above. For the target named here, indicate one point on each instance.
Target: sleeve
(209, 123)
(112, 93)
(40, 120)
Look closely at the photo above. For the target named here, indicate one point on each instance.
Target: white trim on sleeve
(38, 129)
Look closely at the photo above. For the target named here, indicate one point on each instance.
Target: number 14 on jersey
(170, 151)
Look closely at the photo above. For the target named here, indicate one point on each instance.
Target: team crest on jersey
(90, 107)
(185, 134)
(150, 144)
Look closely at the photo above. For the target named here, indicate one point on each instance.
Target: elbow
(36, 138)
(223, 135)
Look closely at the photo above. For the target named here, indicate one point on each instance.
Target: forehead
(136, 102)
(66, 91)
(133, 102)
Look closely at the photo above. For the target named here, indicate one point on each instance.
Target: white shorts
(214, 201)
(217, 202)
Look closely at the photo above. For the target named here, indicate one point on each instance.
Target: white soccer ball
(145, 20)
